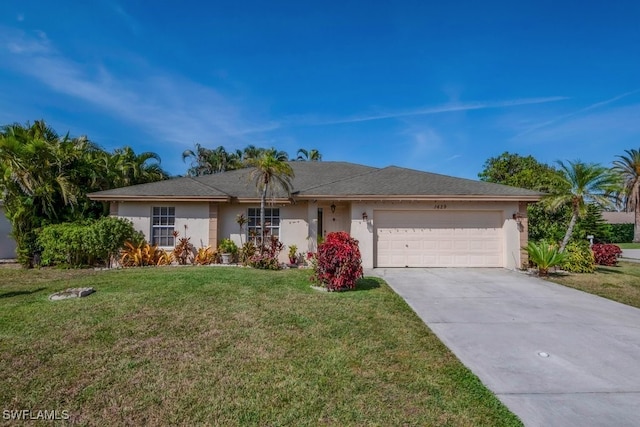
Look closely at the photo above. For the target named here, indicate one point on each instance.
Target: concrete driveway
(555, 356)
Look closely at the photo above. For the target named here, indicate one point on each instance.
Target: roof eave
(457, 197)
(128, 198)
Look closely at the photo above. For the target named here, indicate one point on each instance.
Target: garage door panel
(438, 239)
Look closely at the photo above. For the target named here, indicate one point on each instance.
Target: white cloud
(446, 108)
(564, 117)
(169, 107)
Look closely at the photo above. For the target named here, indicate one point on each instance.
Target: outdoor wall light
(333, 208)
(365, 217)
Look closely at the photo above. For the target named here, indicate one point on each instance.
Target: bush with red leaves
(606, 254)
(339, 264)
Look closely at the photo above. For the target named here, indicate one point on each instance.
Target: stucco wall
(194, 215)
(363, 231)
(294, 225)
(299, 222)
(7, 244)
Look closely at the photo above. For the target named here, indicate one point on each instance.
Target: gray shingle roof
(323, 179)
(184, 187)
(394, 180)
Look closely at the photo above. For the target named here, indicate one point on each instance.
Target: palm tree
(578, 185)
(200, 161)
(628, 167)
(312, 155)
(271, 172)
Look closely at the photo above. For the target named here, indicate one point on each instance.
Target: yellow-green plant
(544, 256)
(142, 255)
(205, 256)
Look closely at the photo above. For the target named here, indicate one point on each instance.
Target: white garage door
(438, 238)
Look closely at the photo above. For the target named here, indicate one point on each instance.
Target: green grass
(620, 283)
(228, 346)
(628, 245)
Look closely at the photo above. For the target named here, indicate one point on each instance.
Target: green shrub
(76, 244)
(544, 256)
(578, 258)
(621, 233)
(65, 244)
(228, 246)
(107, 236)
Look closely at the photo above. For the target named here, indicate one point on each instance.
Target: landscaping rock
(72, 293)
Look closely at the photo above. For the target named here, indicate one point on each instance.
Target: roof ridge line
(341, 179)
(206, 185)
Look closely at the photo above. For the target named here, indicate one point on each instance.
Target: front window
(162, 226)
(271, 219)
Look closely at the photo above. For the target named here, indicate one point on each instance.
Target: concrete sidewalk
(554, 355)
(632, 255)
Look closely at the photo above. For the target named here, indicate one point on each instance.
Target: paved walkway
(554, 355)
(632, 255)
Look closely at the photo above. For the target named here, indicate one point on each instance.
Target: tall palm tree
(579, 184)
(200, 161)
(312, 155)
(628, 167)
(271, 172)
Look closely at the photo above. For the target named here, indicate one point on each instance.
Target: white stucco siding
(365, 231)
(7, 244)
(294, 225)
(194, 215)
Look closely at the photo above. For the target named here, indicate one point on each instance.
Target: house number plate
(440, 206)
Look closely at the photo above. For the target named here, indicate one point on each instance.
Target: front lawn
(227, 346)
(620, 283)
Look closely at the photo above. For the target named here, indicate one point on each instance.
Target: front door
(337, 220)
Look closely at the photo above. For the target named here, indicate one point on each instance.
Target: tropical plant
(143, 254)
(271, 172)
(228, 246)
(44, 179)
(606, 254)
(579, 184)
(544, 256)
(205, 256)
(579, 258)
(248, 250)
(184, 251)
(241, 220)
(205, 161)
(293, 254)
(267, 258)
(628, 166)
(312, 155)
(339, 264)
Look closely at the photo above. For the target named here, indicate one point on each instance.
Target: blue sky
(436, 86)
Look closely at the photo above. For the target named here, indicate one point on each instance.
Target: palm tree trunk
(636, 226)
(569, 232)
(263, 200)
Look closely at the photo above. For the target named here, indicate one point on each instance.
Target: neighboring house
(619, 217)
(401, 217)
(7, 244)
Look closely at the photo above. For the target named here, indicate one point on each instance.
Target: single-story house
(7, 244)
(401, 217)
(619, 217)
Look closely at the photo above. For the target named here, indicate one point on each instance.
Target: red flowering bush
(339, 264)
(606, 254)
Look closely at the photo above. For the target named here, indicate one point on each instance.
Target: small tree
(578, 185)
